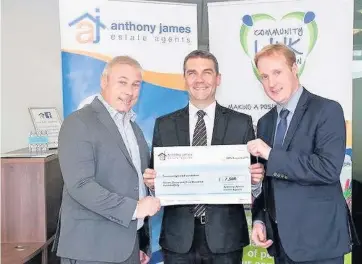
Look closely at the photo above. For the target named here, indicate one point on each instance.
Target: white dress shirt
(209, 119)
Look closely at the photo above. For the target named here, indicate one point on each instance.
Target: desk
(19, 253)
(31, 192)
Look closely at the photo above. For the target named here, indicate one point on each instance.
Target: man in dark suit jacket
(220, 232)
(301, 215)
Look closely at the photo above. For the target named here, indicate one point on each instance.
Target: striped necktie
(199, 139)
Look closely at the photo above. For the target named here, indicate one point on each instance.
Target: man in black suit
(301, 215)
(203, 233)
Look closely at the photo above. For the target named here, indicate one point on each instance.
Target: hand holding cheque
(208, 175)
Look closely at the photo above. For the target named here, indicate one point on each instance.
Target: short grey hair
(121, 60)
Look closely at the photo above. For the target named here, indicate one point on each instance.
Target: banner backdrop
(318, 32)
(94, 31)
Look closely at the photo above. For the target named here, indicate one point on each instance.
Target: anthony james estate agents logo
(88, 30)
(45, 115)
(174, 156)
(88, 27)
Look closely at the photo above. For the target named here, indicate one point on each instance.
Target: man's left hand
(259, 148)
(144, 259)
(257, 173)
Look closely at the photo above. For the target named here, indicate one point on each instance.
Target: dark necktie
(278, 143)
(199, 139)
(281, 128)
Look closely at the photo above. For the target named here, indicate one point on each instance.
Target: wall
(357, 96)
(31, 67)
(357, 130)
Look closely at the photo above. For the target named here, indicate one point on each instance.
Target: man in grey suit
(102, 154)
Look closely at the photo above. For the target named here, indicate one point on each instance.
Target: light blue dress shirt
(291, 105)
(123, 122)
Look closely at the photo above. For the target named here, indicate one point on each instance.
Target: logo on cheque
(297, 30)
(88, 27)
(162, 156)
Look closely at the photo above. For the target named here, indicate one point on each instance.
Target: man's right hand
(259, 236)
(149, 178)
(148, 206)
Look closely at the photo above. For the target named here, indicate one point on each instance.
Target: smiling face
(201, 81)
(121, 86)
(279, 79)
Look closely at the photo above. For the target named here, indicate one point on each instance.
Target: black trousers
(200, 252)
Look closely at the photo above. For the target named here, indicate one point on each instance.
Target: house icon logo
(162, 156)
(46, 115)
(88, 27)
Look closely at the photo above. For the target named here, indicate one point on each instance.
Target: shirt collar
(291, 105)
(130, 115)
(209, 110)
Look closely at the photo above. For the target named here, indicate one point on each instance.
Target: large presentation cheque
(202, 175)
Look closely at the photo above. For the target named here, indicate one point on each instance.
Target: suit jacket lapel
(298, 115)
(183, 127)
(269, 135)
(108, 122)
(220, 123)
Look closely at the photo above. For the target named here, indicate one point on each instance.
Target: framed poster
(47, 119)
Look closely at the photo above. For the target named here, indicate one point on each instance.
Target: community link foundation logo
(297, 30)
(88, 28)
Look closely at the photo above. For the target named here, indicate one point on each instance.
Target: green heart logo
(297, 30)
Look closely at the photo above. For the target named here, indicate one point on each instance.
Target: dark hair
(204, 55)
